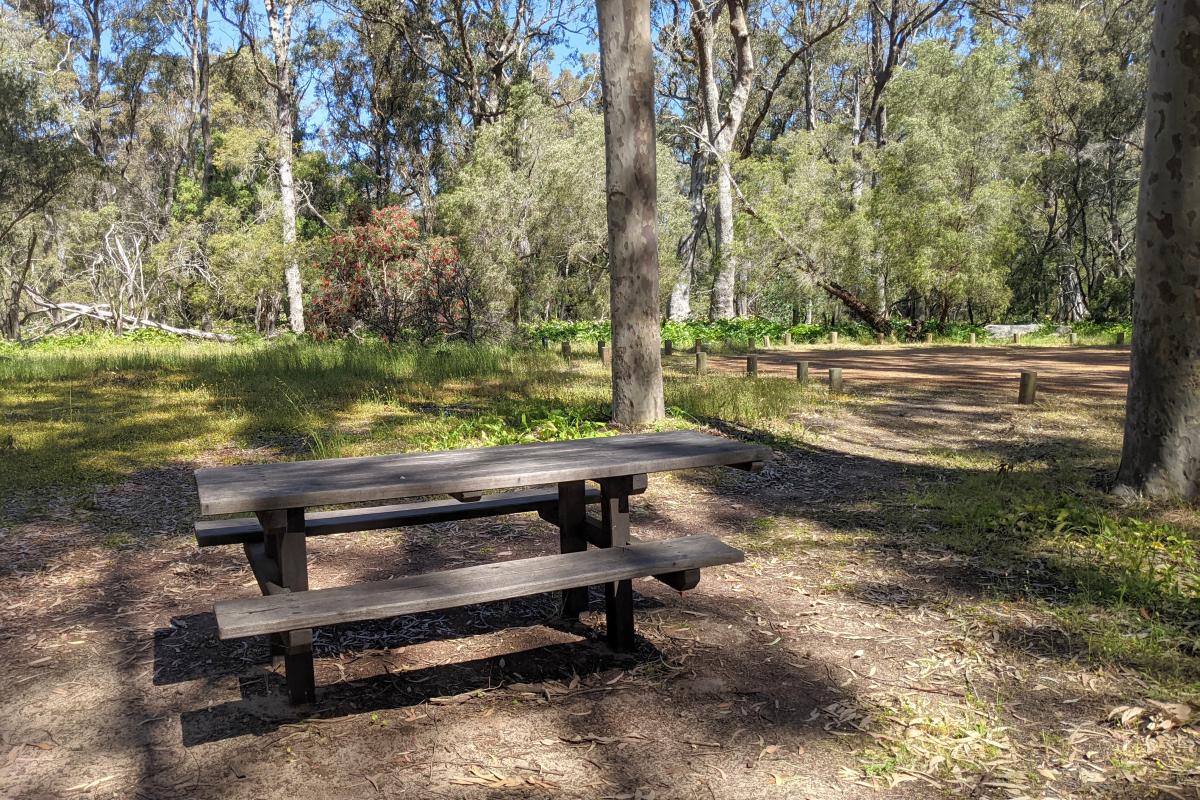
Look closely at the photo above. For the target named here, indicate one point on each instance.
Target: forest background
(434, 169)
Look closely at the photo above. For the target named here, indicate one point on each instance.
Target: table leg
(618, 595)
(284, 544)
(572, 519)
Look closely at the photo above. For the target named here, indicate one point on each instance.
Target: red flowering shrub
(383, 277)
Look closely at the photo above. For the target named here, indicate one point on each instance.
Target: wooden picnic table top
(298, 484)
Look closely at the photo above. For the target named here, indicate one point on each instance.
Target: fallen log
(105, 314)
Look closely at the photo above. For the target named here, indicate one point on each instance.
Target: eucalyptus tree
(630, 158)
(279, 76)
(1083, 75)
(1161, 454)
(39, 154)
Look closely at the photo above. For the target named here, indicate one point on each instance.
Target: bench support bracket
(572, 538)
(618, 596)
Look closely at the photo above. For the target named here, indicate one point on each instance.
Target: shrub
(381, 276)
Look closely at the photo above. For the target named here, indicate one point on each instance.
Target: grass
(74, 417)
(1123, 582)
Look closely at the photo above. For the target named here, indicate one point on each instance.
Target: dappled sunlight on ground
(938, 599)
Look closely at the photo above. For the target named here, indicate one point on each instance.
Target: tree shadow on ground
(974, 532)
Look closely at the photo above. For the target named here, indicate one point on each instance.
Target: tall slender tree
(627, 75)
(1161, 455)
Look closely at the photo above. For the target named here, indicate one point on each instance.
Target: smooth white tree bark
(1161, 455)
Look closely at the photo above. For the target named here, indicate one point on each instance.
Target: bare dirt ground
(838, 661)
(1061, 370)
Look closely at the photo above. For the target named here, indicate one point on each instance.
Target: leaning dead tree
(807, 265)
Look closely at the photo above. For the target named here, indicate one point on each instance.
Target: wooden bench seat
(278, 613)
(247, 530)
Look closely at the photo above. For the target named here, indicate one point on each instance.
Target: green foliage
(560, 330)
(489, 430)
(1119, 560)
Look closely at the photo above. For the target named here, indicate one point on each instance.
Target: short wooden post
(802, 371)
(766, 342)
(787, 339)
(1028, 391)
(972, 339)
(701, 362)
(566, 349)
(698, 347)
(752, 366)
(879, 338)
(1016, 338)
(602, 351)
(1073, 338)
(833, 337)
(668, 347)
(835, 380)
(545, 343)
(1121, 339)
(929, 338)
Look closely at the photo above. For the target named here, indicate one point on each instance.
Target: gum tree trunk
(1161, 455)
(680, 306)
(279, 22)
(627, 76)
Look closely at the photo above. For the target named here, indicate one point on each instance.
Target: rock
(1006, 331)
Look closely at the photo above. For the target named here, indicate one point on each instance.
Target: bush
(382, 277)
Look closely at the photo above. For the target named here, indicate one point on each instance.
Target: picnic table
(281, 494)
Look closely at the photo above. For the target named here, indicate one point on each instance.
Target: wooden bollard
(1121, 339)
(1016, 338)
(833, 337)
(668, 347)
(767, 342)
(929, 338)
(1073, 339)
(752, 366)
(802, 371)
(972, 339)
(835, 380)
(566, 348)
(787, 339)
(1028, 391)
(602, 351)
(701, 362)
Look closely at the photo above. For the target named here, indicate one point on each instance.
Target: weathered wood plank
(256, 487)
(465, 586)
(210, 533)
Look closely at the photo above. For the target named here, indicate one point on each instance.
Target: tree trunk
(1161, 455)
(680, 305)
(722, 131)
(627, 77)
(279, 21)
